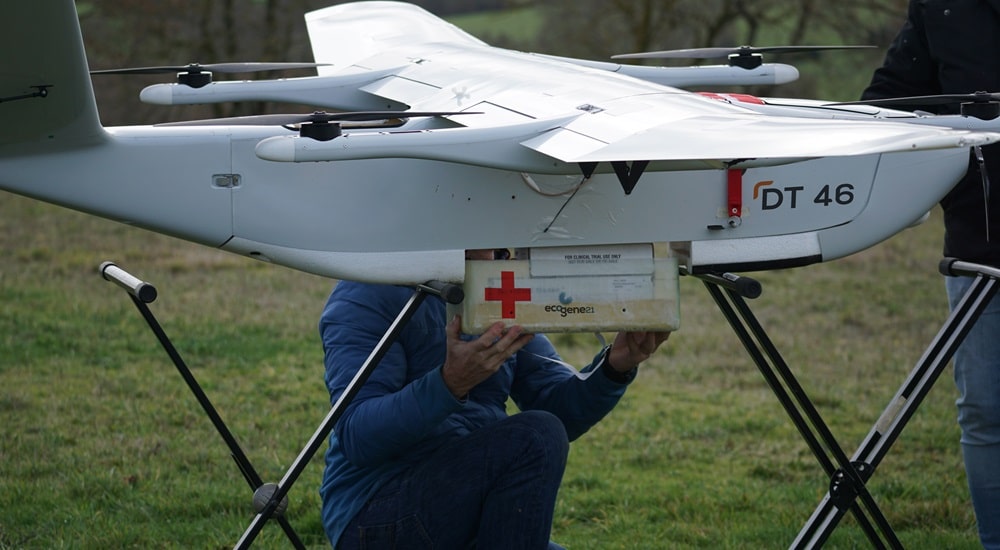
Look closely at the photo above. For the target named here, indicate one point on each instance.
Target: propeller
(747, 57)
(318, 125)
(197, 75)
(981, 105)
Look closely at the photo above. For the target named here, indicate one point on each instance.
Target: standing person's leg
(977, 376)
(494, 488)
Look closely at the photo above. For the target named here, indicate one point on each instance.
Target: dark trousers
(492, 489)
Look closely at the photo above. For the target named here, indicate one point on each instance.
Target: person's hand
(469, 363)
(631, 348)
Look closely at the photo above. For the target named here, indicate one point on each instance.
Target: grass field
(102, 445)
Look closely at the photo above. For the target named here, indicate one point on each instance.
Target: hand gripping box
(574, 289)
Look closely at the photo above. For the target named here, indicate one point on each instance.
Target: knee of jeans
(550, 431)
(980, 426)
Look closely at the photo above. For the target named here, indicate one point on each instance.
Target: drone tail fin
(46, 97)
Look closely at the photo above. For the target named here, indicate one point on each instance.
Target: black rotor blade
(720, 52)
(249, 67)
(317, 117)
(362, 116)
(253, 120)
(940, 99)
(252, 67)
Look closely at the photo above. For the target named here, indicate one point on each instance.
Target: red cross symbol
(507, 295)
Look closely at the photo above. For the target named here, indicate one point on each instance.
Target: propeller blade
(720, 52)
(318, 117)
(249, 67)
(253, 120)
(940, 99)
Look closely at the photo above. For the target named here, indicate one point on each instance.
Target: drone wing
(547, 114)
(723, 140)
(536, 113)
(562, 145)
(356, 34)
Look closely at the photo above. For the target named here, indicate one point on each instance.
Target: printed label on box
(574, 289)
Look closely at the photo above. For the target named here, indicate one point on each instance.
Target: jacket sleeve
(390, 413)
(580, 399)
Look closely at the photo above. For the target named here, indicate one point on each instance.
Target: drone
(428, 143)
(432, 142)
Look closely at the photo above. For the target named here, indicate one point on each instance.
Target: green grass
(102, 445)
(700, 454)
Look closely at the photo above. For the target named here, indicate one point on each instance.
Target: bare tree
(130, 33)
(138, 33)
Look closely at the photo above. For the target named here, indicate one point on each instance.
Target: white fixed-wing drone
(474, 147)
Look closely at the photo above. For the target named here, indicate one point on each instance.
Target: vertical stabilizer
(46, 96)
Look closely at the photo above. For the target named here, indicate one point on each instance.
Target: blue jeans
(977, 375)
(494, 488)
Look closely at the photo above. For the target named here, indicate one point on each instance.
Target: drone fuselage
(410, 220)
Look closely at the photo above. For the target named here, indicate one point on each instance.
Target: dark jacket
(952, 47)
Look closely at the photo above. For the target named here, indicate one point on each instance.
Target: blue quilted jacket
(404, 411)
